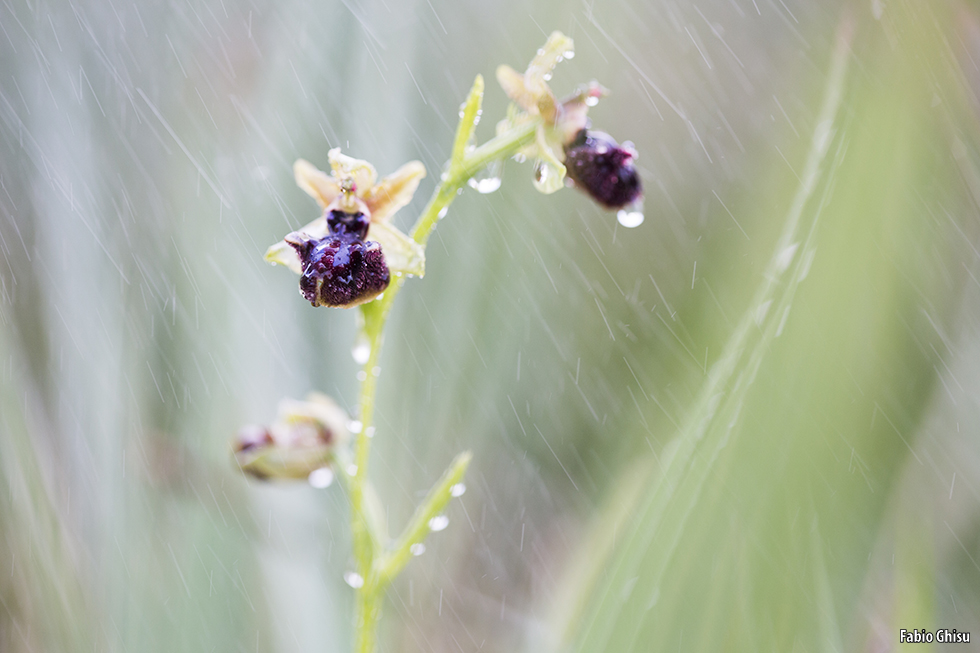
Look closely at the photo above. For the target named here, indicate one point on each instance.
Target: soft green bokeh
(145, 165)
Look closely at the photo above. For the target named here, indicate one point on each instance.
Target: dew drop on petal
(321, 478)
(443, 211)
(354, 579)
(568, 54)
(361, 375)
(417, 549)
(520, 158)
(438, 523)
(547, 77)
(547, 178)
(352, 470)
(354, 426)
(369, 432)
(591, 101)
(457, 490)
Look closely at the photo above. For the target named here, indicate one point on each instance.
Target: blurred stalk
(43, 599)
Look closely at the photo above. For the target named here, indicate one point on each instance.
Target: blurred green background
(675, 447)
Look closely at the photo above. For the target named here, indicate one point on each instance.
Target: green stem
(368, 613)
(376, 569)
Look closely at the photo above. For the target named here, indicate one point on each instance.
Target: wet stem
(378, 563)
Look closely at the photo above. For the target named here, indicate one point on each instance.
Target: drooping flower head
(599, 165)
(306, 436)
(346, 256)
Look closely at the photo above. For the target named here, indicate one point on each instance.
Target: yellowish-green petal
(318, 184)
(402, 254)
(282, 253)
(549, 171)
(394, 191)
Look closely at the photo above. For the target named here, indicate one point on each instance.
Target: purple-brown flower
(563, 144)
(346, 257)
(603, 168)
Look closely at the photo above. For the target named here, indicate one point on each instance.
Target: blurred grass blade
(810, 410)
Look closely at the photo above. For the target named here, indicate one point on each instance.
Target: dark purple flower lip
(603, 168)
(342, 269)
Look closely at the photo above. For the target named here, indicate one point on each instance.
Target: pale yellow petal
(394, 191)
(318, 184)
(360, 172)
(558, 47)
(282, 253)
(513, 84)
(402, 254)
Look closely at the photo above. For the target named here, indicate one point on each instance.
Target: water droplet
(369, 432)
(540, 51)
(547, 77)
(354, 579)
(568, 54)
(443, 211)
(520, 158)
(361, 351)
(361, 375)
(376, 370)
(354, 426)
(352, 470)
(321, 478)
(591, 101)
(546, 178)
(630, 219)
(487, 180)
(439, 523)
(631, 216)
(417, 549)
(457, 490)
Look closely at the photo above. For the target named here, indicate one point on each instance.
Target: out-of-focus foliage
(832, 497)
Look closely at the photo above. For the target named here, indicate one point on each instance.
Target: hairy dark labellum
(603, 168)
(341, 269)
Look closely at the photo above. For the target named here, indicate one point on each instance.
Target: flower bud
(304, 438)
(603, 168)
